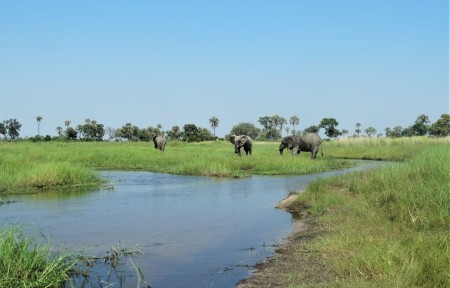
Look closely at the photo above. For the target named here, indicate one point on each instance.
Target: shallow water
(193, 231)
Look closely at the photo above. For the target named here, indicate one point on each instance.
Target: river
(193, 231)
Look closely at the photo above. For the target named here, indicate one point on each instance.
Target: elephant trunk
(281, 151)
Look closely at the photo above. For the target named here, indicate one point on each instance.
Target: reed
(24, 263)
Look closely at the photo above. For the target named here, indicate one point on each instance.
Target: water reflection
(193, 231)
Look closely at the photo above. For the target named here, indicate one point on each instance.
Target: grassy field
(32, 167)
(383, 228)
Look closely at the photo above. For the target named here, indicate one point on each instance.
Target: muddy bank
(296, 262)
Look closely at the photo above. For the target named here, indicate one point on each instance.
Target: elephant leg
(295, 151)
(313, 153)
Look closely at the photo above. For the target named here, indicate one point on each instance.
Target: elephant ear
(232, 139)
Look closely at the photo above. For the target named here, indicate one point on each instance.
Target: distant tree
(311, 129)
(71, 134)
(12, 127)
(192, 133)
(420, 127)
(3, 129)
(174, 133)
(92, 131)
(329, 124)
(408, 132)
(388, 132)
(397, 131)
(59, 131)
(39, 119)
(294, 120)
(67, 124)
(271, 124)
(370, 131)
(442, 126)
(344, 132)
(246, 128)
(214, 121)
(358, 129)
(128, 131)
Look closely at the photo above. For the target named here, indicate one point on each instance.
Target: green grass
(31, 167)
(24, 263)
(387, 227)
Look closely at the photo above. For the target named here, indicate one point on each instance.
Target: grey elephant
(310, 142)
(241, 142)
(160, 142)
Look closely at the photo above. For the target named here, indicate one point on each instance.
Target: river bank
(382, 228)
(292, 256)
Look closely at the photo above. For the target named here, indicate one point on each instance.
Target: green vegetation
(23, 263)
(382, 228)
(30, 167)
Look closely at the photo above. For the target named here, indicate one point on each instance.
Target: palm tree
(67, 123)
(39, 119)
(294, 120)
(358, 131)
(214, 121)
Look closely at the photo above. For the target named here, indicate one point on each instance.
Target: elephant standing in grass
(241, 142)
(310, 143)
(160, 142)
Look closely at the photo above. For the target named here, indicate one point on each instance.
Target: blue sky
(381, 63)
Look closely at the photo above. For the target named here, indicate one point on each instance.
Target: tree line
(272, 129)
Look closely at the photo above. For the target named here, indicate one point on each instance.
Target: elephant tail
(321, 150)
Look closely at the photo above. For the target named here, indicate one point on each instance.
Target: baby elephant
(160, 142)
(309, 142)
(241, 142)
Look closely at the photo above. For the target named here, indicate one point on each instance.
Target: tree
(192, 133)
(3, 129)
(420, 127)
(67, 124)
(92, 130)
(311, 129)
(441, 127)
(59, 131)
(175, 133)
(71, 134)
(270, 124)
(12, 127)
(214, 121)
(128, 131)
(370, 131)
(39, 119)
(344, 132)
(329, 124)
(294, 120)
(358, 130)
(246, 128)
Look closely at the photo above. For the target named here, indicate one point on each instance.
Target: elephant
(241, 142)
(160, 142)
(310, 142)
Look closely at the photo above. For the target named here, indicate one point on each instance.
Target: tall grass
(24, 263)
(389, 227)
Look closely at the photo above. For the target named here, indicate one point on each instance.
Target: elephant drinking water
(309, 143)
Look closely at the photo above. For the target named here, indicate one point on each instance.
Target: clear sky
(381, 63)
